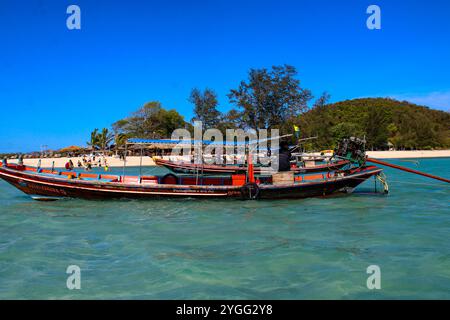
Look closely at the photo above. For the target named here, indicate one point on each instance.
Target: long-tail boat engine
(352, 149)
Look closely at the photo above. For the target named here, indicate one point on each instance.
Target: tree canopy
(380, 120)
(269, 98)
(205, 107)
(100, 140)
(150, 121)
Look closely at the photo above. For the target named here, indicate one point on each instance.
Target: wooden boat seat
(313, 177)
(88, 175)
(131, 179)
(96, 177)
(47, 171)
(109, 178)
(69, 174)
(149, 180)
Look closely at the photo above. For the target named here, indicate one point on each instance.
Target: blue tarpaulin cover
(168, 141)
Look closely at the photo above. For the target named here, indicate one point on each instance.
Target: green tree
(119, 126)
(169, 120)
(406, 125)
(376, 127)
(120, 139)
(323, 129)
(230, 120)
(100, 140)
(344, 130)
(146, 121)
(104, 139)
(150, 121)
(269, 97)
(93, 141)
(205, 107)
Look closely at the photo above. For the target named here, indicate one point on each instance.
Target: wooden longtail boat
(184, 167)
(43, 184)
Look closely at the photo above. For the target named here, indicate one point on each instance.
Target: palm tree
(94, 141)
(104, 139)
(119, 140)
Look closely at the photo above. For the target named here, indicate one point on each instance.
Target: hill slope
(381, 120)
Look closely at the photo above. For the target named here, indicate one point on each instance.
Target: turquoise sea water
(209, 249)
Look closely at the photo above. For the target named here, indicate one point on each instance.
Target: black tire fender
(250, 191)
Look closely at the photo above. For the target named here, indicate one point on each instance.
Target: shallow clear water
(209, 249)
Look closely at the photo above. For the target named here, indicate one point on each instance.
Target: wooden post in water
(140, 165)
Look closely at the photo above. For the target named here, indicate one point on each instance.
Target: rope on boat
(382, 178)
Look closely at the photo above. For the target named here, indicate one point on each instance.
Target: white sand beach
(148, 161)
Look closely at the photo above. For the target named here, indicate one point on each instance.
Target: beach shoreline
(133, 161)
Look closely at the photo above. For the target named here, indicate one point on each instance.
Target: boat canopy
(187, 141)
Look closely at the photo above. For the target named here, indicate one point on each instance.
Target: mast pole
(140, 164)
(124, 161)
(250, 171)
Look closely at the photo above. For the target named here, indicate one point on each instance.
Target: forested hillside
(381, 120)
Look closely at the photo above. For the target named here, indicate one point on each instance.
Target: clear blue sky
(56, 85)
